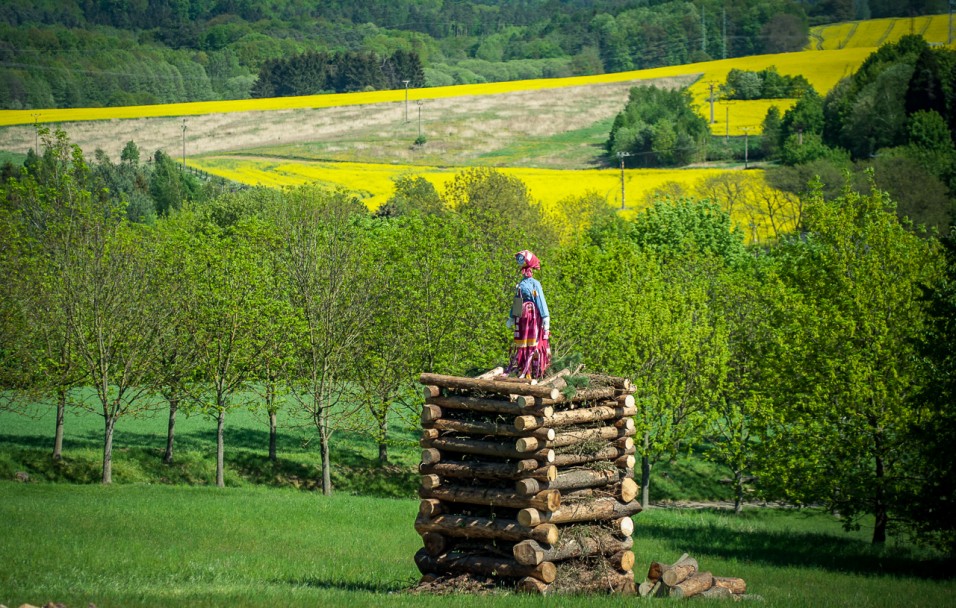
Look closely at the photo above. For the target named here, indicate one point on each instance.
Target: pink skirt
(530, 352)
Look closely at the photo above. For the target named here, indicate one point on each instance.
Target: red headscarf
(529, 263)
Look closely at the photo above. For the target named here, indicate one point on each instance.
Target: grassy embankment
(141, 545)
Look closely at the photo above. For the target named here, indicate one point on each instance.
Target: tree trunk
(324, 447)
(546, 501)
(273, 436)
(646, 472)
(171, 431)
(58, 434)
(108, 450)
(220, 448)
(739, 494)
(491, 386)
(880, 511)
(383, 442)
(508, 530)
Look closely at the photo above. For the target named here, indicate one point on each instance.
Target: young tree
(225, 265)
(851, 358)
(323, 253)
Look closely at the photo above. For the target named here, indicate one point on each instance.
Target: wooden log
(568, 480)
(623, 560)
(431, 391)
(604, 433)
(492, 470)
(596, 510)
(614, 381)
(461, 526)
(495, 428)
(430, 481)
(737, 586)
(430, 456)
(488, 448)
(490, 386)
(625, 525)
(488, 406)
(430, 413)
(716, 593)
(626, 462)
(530, 552)
(549, 381)
(435, 544)
(430, 507)
(491, 373)
(656, 569)
(698, 583)
(679, 571)
(533, 586)
(609, 411)
(629, 489)
(543, 502)
(608, 453)
(626, 424)
(486, 565)
(429, 434)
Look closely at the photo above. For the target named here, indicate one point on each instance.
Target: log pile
(684, 579)
(527, 485)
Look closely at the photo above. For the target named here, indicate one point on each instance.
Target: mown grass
(143, 545)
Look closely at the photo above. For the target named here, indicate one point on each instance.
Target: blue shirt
(531, 291)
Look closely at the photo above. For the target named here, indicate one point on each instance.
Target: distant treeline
(75, 53)
(311, 73)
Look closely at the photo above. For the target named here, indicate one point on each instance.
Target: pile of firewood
(527, 485)
(684, 579)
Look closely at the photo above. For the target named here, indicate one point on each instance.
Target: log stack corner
(528, 486)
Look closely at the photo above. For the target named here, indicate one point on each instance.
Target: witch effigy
(530, 352)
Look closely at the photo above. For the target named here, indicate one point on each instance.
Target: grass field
(875, 32)
(142, 545)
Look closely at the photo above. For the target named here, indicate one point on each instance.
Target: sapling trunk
(58, 435)
(220, 464)
(171, 431)
(108, 449)
(272, 436)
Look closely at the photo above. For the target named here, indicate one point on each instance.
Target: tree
(229, 298)
(852, 357)
(323, 254)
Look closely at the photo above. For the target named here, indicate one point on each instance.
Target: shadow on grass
(368, 586)
(788, 548)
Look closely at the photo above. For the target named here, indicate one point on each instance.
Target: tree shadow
(789, 548)
(367, 586)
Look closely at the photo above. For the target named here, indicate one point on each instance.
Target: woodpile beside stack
(526, 485)
(684, 579)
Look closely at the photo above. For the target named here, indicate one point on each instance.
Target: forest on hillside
(82, 53)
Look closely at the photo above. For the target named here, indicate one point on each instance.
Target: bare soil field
(554, 128)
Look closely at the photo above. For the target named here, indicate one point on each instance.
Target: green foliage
(687, 226)
(850, 357)
(659, 126)
(765, 84)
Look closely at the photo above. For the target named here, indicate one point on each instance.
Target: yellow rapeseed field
(873, 33)
(374, 183)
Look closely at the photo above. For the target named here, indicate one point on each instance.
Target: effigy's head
(527, 262)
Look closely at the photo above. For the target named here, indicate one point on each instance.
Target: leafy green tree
(229, 298)
(660, 126)
(771, 129)
(851, 356)
(323, 253)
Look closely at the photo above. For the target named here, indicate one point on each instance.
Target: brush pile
(529, 485)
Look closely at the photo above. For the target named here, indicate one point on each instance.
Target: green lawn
(148, 545)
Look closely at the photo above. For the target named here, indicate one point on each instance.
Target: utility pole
(36, 134)
(746, 131)
(727, 124)
(725, 32)
(406, 99)
(703, 30)
(711, 84)
(622, 155)
(420, 104)
(184, 144)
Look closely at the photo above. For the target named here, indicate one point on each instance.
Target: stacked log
(683, 579)
(528, 485)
